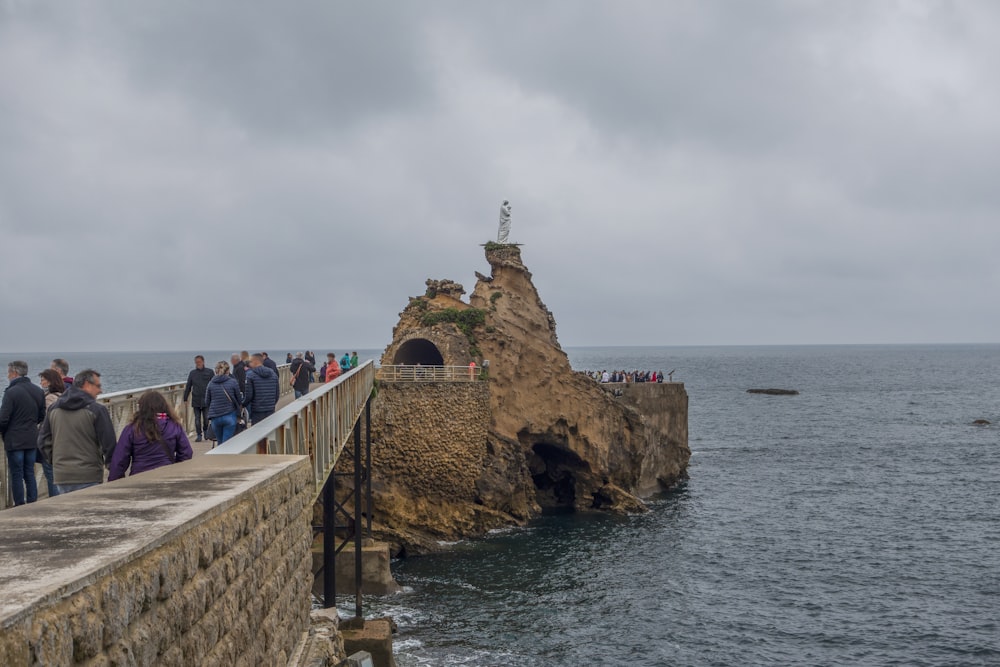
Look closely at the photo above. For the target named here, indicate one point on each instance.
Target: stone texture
(220, 581)
(453, 460)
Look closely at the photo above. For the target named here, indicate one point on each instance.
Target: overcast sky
(214, 175)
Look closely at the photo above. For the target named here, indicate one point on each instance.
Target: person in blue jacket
(223, 399)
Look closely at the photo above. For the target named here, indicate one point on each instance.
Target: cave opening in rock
(418, 351)
(554, 471)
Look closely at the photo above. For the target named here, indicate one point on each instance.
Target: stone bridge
(203, 562)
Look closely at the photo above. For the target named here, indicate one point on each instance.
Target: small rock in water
(774, 392)
(981, 422)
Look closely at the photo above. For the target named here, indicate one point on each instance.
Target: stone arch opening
(418, 351)
(555, 472)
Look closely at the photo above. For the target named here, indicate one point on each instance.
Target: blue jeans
(22, 474)
(299, 394)
(49, 480)
(70, 488)
(224, 426)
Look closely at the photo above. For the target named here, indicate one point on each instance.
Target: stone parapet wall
(205, 562)
(431, 437)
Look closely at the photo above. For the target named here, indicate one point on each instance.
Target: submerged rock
(981, 422)
(774, 392)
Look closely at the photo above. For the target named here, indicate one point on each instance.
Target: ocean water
(854, 524)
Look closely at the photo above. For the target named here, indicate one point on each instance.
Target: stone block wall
(431, 437)
(225, 581)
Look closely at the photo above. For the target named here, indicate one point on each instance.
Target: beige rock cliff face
(542, 436)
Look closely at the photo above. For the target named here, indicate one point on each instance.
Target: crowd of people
(60, 424)
(622, 376)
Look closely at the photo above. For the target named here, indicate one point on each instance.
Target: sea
(856, 523)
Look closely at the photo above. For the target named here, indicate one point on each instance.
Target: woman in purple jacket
(155, 438)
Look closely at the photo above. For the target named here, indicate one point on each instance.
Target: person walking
(21, 411)
(77, 436)
(300, 370)
(354, 359)
(197, 384)
(223, 399)
(345, 363)
(54, 387)
(153, 439)
(262, 390)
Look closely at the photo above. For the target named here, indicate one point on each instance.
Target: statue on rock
(504, 231)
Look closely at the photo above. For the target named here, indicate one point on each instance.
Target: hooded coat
(77, 437)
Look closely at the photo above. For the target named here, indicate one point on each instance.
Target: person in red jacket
(332, 367)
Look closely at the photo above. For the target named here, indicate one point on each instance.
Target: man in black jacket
(197, 385)
(269, 362)
(239, 370)
(300, 370)
(22, 410)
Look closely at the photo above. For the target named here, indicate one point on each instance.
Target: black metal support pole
(329, 542)
(368, 464)
(357, 520)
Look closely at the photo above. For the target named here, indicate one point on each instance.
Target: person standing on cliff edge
(504, 230)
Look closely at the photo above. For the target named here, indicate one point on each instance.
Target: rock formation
(455, 459)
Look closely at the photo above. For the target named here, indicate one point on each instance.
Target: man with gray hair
(61, 366)
(239, 369)
(21, 411)
(77, 436)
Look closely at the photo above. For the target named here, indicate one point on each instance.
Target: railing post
(357, 520)
(329, 543)
(368, 463)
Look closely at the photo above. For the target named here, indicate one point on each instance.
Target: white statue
(504, 222)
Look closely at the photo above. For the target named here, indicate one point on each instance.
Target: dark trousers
(260, 416)
(200, 419)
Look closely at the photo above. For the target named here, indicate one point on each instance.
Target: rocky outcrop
(452, 462)
(774, 392)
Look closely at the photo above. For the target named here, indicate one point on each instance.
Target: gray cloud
(192, 176)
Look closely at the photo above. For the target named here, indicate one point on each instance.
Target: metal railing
(430, 373)
(316, 425)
